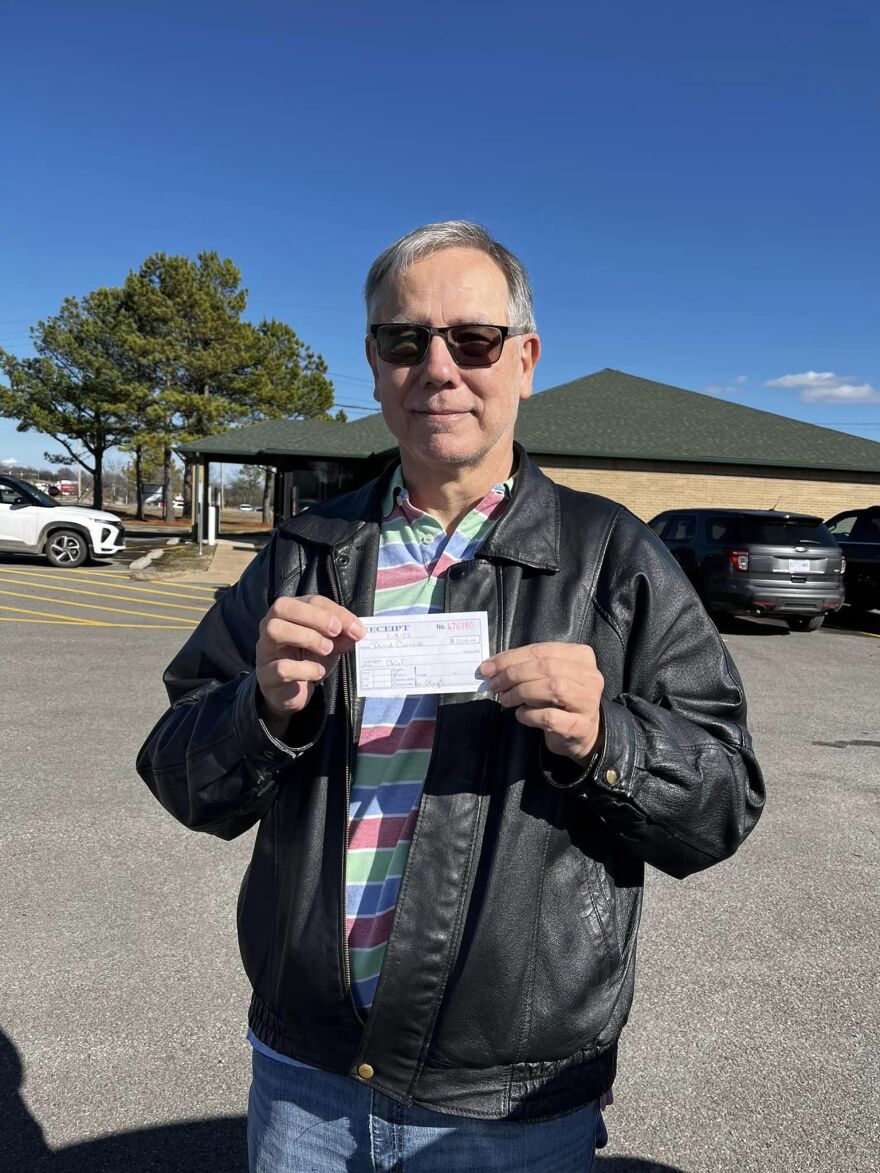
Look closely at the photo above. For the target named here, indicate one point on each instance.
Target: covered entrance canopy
(311, 459)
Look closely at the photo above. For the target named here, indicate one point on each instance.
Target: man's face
(439, 413)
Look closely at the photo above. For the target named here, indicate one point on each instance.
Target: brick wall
(647, 489)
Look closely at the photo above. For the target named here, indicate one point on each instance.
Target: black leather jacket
(509, 971)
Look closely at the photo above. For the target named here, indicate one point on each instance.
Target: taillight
(739, 559)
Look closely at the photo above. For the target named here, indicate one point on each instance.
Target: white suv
(31, 522)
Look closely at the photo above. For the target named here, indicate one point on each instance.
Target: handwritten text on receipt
(413, 655)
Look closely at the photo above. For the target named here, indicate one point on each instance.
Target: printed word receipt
(414, 655)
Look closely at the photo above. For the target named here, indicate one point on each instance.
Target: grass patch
(181, 559)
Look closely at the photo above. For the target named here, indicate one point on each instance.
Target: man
(439, 920)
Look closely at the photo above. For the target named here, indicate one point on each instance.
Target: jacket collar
(527, 533)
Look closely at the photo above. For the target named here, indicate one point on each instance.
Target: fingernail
(322, 671)
(334, 625)
(357, 629)
(487, 668)
(326, 646)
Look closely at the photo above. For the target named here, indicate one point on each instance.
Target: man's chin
(443, 448)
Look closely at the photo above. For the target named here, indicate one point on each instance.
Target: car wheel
(805, 622)
(67, 548)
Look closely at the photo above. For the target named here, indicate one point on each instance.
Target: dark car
(757, 562)
(857, 532)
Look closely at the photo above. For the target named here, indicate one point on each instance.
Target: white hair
(433, 238)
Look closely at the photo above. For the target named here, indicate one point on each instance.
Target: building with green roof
(647, 444)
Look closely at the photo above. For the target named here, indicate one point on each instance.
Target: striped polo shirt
(397, 733)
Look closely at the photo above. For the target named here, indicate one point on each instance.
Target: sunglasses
(405, 344)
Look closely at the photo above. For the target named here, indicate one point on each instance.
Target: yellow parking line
(5, 571)
(73, 619)
(191, 586)
(104, 595)
(89, 622)
(122, 584)
(103, 582)
(52, 622)
(184, 619)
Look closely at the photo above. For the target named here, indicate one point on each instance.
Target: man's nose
(437, 365)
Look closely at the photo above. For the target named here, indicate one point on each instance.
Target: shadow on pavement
(218, 1145)
(740, 625)
(203, 1146)
(631, 1165)
(8, 559)
(849, 619)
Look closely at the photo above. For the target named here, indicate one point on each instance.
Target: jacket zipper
(349, 729)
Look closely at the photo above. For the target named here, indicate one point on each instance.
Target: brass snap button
(611, 777)
(365, 1071)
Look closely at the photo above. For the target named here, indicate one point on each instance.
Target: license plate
(798, 566)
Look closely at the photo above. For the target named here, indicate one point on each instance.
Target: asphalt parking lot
(102, 594)
(753, 1045)
(97, 596)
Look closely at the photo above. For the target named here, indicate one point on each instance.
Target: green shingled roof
(612, 414)
(607, 414)
(324, 439)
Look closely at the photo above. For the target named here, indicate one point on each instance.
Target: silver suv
(757, 562)
(31, 522)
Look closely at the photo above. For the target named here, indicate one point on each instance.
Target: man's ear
(530, 352)
(373, 360)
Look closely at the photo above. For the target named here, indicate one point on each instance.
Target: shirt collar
(397, 490)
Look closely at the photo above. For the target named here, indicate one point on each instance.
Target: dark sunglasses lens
(475, 346)
(404, 345)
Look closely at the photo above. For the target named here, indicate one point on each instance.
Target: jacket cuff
(611, 766)
(614, 771)
(565, 773)
(253, 735)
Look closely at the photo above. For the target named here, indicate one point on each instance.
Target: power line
(350, 378)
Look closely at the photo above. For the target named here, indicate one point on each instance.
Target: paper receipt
(414, 655)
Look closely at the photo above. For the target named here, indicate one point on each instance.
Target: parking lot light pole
(199, 477)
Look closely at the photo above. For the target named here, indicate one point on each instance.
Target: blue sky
(693, 186)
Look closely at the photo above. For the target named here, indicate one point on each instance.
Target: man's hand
(301, 640)
(554, 687)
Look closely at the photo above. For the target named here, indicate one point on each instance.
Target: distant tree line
(160, 360)
(245, 485)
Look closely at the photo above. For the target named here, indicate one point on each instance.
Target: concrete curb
(228, 561)
(143, 563)
(153, 556)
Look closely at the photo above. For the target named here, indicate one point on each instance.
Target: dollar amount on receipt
(406, 655)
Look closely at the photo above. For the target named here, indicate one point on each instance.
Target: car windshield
(29, 490)
(793, 531)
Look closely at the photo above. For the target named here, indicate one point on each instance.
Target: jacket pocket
(598, 910)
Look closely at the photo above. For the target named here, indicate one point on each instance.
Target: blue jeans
(305, 1121)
